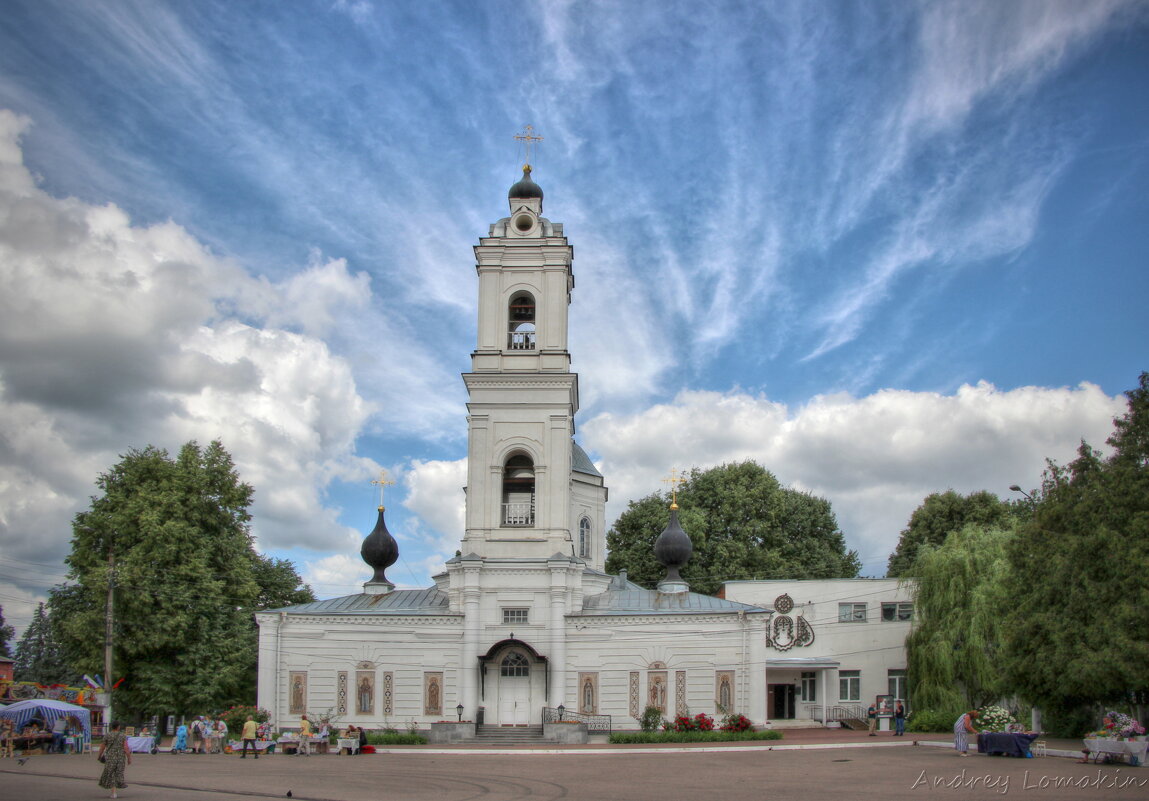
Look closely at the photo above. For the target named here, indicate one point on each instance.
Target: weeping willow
(953, 650)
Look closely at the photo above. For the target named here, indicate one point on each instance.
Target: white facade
(525, 618)
(854, 650)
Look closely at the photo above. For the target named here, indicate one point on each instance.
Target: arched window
(584, 538)
(515, 664)
(521, 322)
(519, 491)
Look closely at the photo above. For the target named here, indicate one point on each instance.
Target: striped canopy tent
(47, 711)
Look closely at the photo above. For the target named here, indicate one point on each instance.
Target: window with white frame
(809, 686)
(584, 538)
(897, 683)
(893, 611)
(516, 616)
(849, 685)
(851, 613)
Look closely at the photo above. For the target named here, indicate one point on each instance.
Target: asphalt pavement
(815, 764)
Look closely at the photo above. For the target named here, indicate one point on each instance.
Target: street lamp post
(562, 710)
(459, 709)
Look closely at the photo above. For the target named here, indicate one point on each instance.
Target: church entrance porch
(513, 684)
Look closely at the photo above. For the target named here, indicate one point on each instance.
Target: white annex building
(525, 620)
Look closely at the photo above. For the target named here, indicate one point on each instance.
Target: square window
(516, 616)
(851, 613)
(893, 611)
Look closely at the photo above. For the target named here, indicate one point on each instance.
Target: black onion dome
(673, 547)
(526, 188)
(380, 550)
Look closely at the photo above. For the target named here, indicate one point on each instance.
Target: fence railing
(519, 514)
(597, 723)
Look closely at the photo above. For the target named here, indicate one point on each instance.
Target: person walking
(872, 716)
(116, 757)
(249, 731)
(899, 720)
(304, 736)
(962, 727)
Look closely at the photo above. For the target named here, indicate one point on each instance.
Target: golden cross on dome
(527, 137)
(674, 481)
(382, 482)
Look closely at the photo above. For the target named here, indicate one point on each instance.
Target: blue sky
(884, 248)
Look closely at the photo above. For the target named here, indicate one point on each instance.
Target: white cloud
(114, 336)
(874, 458)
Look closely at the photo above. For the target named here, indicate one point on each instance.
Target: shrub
(931, 720)
(651, 718)
(393, 737)
(694, 736)
(700, 722)
(237, 715)
(736, 722)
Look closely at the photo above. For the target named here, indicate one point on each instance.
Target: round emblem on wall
(783, 604)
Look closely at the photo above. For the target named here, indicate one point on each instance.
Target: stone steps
(509, 735)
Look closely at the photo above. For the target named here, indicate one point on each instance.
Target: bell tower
(522, 395)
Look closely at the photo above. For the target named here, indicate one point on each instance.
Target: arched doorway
(514, 684)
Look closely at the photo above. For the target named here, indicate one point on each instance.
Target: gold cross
(674, 481)
(527, 137)
(382, 482)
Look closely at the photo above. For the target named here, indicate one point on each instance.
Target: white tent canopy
(47, 711)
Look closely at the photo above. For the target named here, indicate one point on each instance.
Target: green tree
(279, 584)
(952, 654)
(743, 524)
(6, 635)
(1077, 627)
(942, 513)
(173, 536)
(38, 654)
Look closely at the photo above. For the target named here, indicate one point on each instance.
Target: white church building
(525, 620)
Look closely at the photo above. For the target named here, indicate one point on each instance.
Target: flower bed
(693, 736)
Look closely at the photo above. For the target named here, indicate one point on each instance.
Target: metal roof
(636, 601)
(429, 601)
(580, 462)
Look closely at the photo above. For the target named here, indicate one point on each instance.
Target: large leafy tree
(942, 513)
(6, 635)
(39, 657)
(743, 525)
(1077, 627)
(953, 652)
(172, 535)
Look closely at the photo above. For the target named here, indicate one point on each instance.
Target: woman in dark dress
(116, 757)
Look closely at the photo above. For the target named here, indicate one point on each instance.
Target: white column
(756, 708)
(558, 638)
(822, 679)
(469, 666)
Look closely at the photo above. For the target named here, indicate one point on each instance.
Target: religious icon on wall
(657, 691)
(298, 684)
(365, 693)
(433, 694)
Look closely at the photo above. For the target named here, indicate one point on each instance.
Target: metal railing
(519, 514)
(521, 340)
(596, 723)
(845, 713)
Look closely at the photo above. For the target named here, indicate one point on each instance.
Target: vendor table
(291, 745)
(27, 742)
(260, 745)
(352, 745)
(142, 745)
(995, 742)
(1097, 747)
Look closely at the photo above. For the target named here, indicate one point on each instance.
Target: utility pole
(108, 639)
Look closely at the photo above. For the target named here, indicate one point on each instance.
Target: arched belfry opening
(521, 322)
(519, 491)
